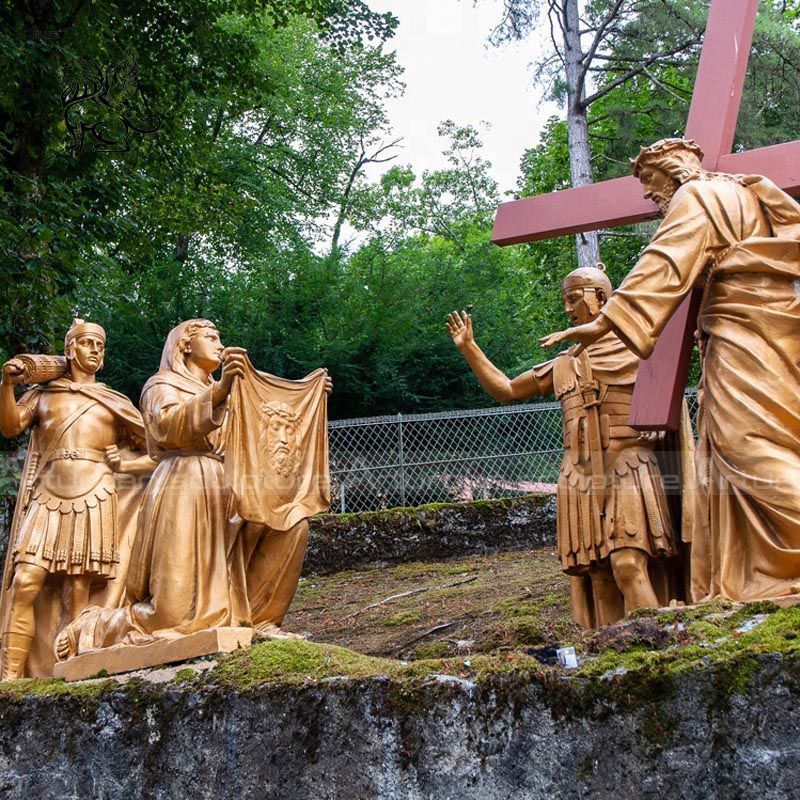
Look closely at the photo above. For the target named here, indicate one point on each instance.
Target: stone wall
(354, 541)
(509, 737)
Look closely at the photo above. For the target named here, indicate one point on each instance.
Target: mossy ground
(390, 514)
(490, 603)
(477, 617)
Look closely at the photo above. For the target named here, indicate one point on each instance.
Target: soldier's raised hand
(459, 326)
(13, 372)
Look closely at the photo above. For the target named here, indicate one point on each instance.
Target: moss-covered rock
(439, 530)
(687, 702)
(298, 720)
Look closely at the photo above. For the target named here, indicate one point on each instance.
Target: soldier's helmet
(80, 327)
(588, 277)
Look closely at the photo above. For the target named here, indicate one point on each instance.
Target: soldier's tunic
(625, 505)
(70, 522)
(73, 515)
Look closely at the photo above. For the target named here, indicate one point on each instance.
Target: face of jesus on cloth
(279, 437)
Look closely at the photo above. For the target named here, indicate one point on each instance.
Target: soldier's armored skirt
(71, 521)
(610, 489)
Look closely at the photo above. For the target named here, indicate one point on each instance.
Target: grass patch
(298, 662)
(640, 674)
(293, 662)
(55, 687)
(402, 618)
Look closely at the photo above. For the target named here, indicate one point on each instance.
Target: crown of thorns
(276, 409)
(658, 150)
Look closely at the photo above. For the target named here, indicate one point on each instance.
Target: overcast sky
(452, 73)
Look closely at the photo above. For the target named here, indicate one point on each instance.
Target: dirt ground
(480, 604)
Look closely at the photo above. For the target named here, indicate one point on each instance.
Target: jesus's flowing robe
(738, 237)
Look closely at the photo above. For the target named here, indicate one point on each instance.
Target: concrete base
(129, 657)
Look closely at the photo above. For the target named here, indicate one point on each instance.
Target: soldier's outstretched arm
(494, 381)
(585, 334)
(13, 418)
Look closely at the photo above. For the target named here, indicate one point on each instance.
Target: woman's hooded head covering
(173, 369)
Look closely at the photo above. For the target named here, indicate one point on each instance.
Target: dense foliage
(250, 204)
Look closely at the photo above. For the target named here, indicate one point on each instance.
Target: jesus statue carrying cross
(730, 237)
(737, 237)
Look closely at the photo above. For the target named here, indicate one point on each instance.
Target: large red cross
(711, 123)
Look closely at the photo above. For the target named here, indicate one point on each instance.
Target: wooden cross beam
(712, 121)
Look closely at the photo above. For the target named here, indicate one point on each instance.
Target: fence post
(341, 498)
(402, 464)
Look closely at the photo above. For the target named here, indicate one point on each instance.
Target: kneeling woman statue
(192, 561)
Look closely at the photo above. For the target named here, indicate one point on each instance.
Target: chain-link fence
(412, 459)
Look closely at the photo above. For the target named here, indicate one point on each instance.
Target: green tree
(69, 219)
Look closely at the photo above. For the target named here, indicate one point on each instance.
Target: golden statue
(72, 523)
(736, 236)
(197, 563)
(614, 523)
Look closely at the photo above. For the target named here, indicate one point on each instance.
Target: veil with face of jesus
(276, 448)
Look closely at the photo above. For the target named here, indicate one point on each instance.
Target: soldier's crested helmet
(80, 327)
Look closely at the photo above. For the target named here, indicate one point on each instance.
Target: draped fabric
(740, 237)
(276, 448)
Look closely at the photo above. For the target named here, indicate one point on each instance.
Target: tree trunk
(344, 208)
(580, 163)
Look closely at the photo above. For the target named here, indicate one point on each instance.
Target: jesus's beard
(283, 462)
(664, 199)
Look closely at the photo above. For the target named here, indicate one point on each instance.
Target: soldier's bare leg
(629, 566)
(581, 600)
(608, 600)
(80, 585)
(17, 639)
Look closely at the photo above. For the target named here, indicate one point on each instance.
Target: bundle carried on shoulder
(42, 368)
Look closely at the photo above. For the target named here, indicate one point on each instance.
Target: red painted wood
(620, 202)
(659, 406)
(717, 94)
(712, 123)
(720, 77)
(586, 208)
(780, 163)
